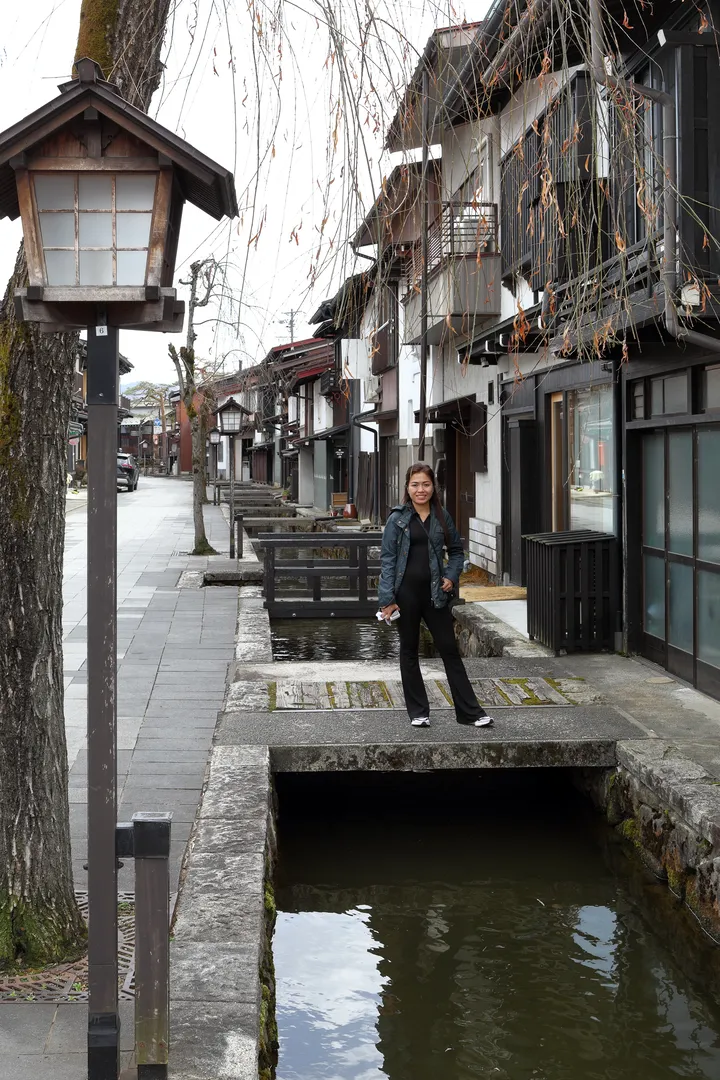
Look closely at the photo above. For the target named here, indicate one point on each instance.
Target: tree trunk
(39, 919)
(38, 916)
(202, 545)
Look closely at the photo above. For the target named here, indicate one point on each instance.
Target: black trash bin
(572, 590)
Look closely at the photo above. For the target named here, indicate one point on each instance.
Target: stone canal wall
(222, 977)
(668, 808)
(222, 981)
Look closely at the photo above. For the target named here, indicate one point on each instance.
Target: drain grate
(69, 982)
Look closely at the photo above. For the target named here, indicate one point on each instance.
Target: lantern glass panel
(60, 267)
(58, 230)
(55, 192)
(133, 230)
(135, 191)
(131, 267)
(96, 268)
(229, 420)
(95, 230)
(103, 223)
(95, 192)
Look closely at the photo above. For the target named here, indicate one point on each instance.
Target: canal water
(484, 925)
(340, 639)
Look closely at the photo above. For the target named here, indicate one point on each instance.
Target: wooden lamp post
(100, 188)
(214, 437)
(229, 421)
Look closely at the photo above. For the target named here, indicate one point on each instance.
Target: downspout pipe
(376, 479)
(424, 260)
(669, 181)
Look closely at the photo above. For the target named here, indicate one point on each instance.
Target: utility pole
(291, 321)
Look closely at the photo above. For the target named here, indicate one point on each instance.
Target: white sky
(219, 113)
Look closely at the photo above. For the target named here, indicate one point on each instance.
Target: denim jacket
(396, 547)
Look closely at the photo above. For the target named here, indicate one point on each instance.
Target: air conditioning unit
(372, 388)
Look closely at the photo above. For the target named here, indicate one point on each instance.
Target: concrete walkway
(174, 647)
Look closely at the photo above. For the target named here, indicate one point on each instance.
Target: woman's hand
(388, 610)
(447, 585)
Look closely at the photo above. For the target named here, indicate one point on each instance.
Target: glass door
(708, 560)
(681, 553)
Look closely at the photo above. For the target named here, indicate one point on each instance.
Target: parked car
(128, 471)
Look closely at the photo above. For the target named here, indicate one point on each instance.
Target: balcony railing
(461, 230)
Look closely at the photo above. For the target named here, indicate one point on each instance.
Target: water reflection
(487, 938)
(339, 639)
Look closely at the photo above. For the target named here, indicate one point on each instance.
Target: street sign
(74, 430)
(157, 422)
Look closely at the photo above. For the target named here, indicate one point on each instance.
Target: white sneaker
(420, 721)
(484, 721)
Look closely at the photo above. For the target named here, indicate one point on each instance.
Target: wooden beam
(159, 229)
(86, 164)
(31, 228)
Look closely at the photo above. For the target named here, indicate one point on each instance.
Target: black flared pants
(415, 605)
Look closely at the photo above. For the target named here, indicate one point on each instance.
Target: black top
(417, 571)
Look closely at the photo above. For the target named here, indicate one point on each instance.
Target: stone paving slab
(314, 695)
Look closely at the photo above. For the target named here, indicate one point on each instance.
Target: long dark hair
(437, 506)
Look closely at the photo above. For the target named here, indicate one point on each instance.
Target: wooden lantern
(100, 187)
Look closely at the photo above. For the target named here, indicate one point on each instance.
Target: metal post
(424, 262)
(239, 519)
(151, 847)
(103, 362)
(232, 496)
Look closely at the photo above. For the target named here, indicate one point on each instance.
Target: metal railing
(461, 230)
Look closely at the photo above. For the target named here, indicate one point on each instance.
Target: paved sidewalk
(174, 647)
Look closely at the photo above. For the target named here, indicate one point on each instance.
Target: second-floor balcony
(463, 266)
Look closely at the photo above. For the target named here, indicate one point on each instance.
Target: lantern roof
(229, 404)
(202, 181)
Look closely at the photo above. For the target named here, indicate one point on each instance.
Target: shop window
(669, 395)
(592, 459)
(710, 388)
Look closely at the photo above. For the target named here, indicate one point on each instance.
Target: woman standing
(414, 580)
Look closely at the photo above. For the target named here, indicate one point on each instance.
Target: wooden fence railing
(307, 587)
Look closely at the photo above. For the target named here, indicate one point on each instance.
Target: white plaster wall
(305, 476)
(459, 157)
(323, 413)
(408, 392)
(355, 354)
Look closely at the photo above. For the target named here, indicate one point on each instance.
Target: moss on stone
(675, 880)
(268, 1042)
(272, 696)
(630, 830)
